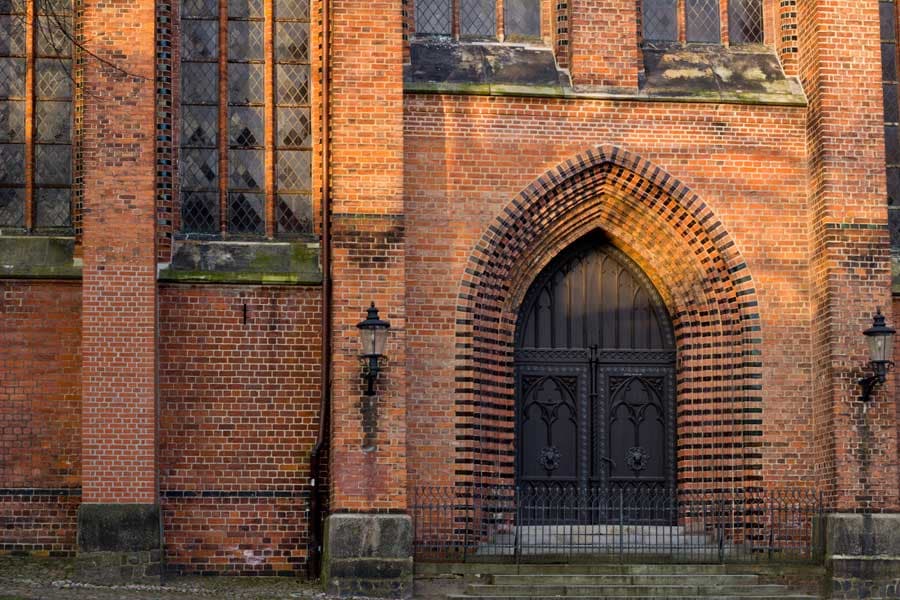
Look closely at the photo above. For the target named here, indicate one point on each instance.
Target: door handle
(610, 461)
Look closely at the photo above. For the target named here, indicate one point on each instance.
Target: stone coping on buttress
(684, 73)
(244, 262)
(38, 257)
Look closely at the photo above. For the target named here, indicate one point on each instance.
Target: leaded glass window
(246, 140)
(889, 77)
(702, 21)
(36, 115)
(478, 19)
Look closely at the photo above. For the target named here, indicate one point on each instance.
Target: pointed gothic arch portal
(595, 377)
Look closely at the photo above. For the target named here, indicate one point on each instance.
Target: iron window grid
(699, 21)
(293, 121)
(888, 17)
(36, 116)
(478, 19)
(232, 174)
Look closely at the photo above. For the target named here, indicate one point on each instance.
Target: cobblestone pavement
(51, 579)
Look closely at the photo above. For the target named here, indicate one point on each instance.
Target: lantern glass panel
(366, 341)
(380, 340)
(880, 347)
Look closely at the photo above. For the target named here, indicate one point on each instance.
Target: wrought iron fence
(490, 523)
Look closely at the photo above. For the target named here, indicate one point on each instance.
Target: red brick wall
(603, 43)
(369, 250)
(40, 410)
(469, 157)
(119, 285)
(839, 66)
(239, 415)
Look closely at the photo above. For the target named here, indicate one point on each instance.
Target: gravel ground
(24, 578)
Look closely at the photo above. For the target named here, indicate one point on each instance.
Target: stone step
(624, 579)
(717, 596)
(654, 590)
(592, 568)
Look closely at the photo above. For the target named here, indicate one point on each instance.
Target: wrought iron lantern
(373, 333)
(880, 338)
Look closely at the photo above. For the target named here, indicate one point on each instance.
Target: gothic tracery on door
(595, 376)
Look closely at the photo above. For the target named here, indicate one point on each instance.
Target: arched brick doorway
(687, 254)
(595, 377)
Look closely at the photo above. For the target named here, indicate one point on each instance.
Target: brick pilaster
(840, 69)
(603, 43)
(369, 247)
(119, 318)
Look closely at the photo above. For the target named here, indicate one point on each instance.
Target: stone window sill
(38, 257)
(244, 262)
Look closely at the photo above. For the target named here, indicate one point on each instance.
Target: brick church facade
(199, 199)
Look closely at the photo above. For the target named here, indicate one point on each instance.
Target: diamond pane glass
(200, 9)
(245, 127)
(292, 42)
(294, 213)
(292, 84)
(894, 225)
(893, 186)
(293, 170)
(53, 165)
(702, 21)
(293, 128)
(297, 10)
(200, 212)
(54, 36)
(477, 18)
(199, 83)
(522, 18)
(660, 20)
(12, 121)
(245, 83)
(891, 108)
(245, 41)
(54, 122)
(745, 21)
(892, 145)
(199, 126)
(52, 208)
(12, 164)
(12, 207)
(245, 9)
(12, 77)
(889, 62)
(12, 42)
(246, 170)
(53, 78)
(199, 40)
(11, 7)
(199, 169)
(888, 19)
(245, 213)
(433, 17)
(53, 7)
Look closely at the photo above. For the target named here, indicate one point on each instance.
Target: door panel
(595, 377)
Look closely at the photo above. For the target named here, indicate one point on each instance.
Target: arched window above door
(701, 21)
(478, 19)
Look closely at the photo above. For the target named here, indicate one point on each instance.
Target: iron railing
(490, 523)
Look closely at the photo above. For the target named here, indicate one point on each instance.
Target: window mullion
(223, 116)
(724, 35)
(682, 21)
(30, 51)
(455, 20)
(269, 113)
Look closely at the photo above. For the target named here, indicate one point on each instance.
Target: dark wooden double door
(595, 379)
